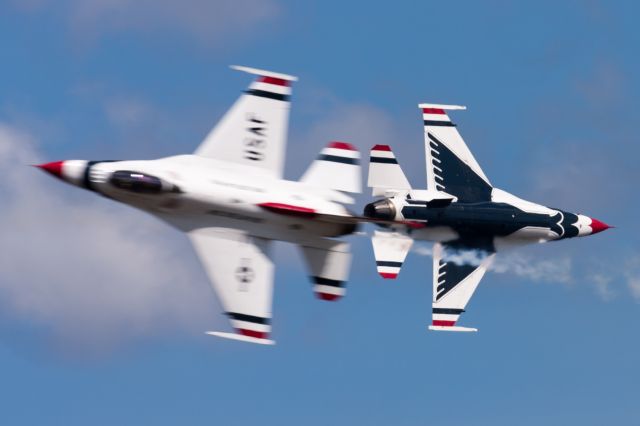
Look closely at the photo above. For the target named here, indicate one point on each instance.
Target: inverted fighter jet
(231, 200)
(468, 219)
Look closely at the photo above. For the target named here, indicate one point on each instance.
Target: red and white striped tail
(436, 115)
(390, 250)
(385, 174)
(329, 291)
(337, 167)
(280, 88)
(328, 262)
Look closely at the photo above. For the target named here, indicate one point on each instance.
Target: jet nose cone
(598, 226)
(54, 168)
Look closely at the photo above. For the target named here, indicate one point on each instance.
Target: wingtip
(240, 337)
(264, 73)
(442, 106)
(452, 328)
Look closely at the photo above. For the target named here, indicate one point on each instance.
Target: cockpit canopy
(137, 182)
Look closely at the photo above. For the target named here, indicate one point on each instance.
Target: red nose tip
(598, 226)
(54, 168)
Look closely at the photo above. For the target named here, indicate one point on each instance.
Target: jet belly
(210, 196)
(487, 219)
(272, 209)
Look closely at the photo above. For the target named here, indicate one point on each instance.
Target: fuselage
(504, 221)
(191, 192)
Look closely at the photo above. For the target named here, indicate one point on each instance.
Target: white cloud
(214, 23)
(553, 270)
(360, 124)
(606, 276)
(93, 273)
(127, 111)
(604, 86)
(634, 286)
(603, 283)
(632, 274)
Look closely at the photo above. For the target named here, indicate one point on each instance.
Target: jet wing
(458, 268)
(451, 167)
(254, 131)
(241, 274)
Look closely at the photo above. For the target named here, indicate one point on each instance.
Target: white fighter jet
(468, 218)
(231, 200)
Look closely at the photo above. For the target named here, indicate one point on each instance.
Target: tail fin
(390, 250)
(337, 167)
(385, 174)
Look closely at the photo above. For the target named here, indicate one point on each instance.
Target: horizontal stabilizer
(385, 174)
(241, 338)
(328, 262)
(337, 167)
(390, 250)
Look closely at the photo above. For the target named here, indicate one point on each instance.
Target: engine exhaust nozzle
(381, 209)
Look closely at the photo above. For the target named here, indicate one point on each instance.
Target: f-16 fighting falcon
(461, 211)
(231, 200)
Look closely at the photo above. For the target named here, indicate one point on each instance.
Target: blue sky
(102, 308)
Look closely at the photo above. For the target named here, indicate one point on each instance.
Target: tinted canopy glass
(136, 182)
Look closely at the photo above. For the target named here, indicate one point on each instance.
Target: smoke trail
(557, 270)
(95, 274)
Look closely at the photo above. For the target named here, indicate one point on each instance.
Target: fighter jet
(231, 200)
(468, 219)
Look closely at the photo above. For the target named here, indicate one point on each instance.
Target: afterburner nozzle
(381, 209)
